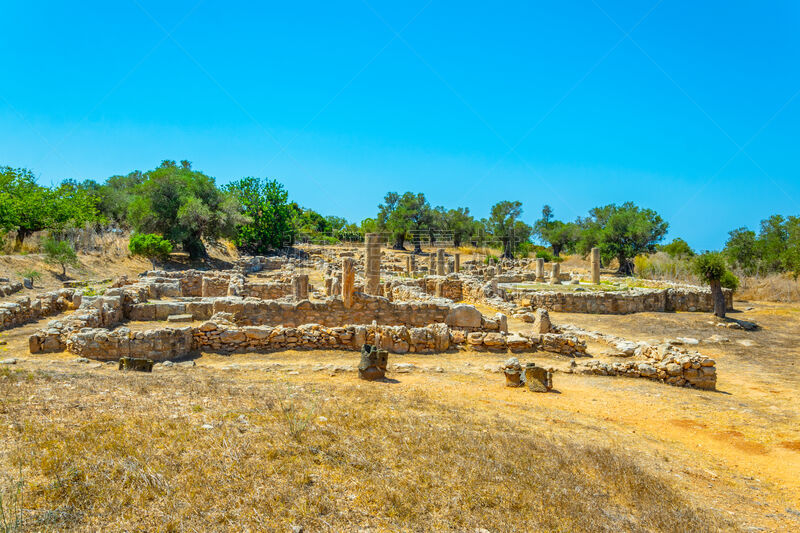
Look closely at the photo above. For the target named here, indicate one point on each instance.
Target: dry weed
(194, 450)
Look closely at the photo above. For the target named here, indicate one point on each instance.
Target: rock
(11, 361)
(689, 340)
(207, 426)
(373, 363)
(492, 368)
(136, 363)
(746, 342)
(463, 316)
(541, 322)
(513, 371)
(179, 318)
(537, 378)
(27, 283)
(404, 368)
(627, 348)
(167, 364)
(81, 360)
(718, 338)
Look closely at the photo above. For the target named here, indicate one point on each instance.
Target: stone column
(409, 270)
(348, 281)
(499, 268)
(431, 264)
(456, 262)
(596, 266)
(372, 263)
(300, 286)
(539, 270)
(449, 269)
(440, 262)
(554, 273)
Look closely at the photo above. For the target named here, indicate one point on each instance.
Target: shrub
(30, 273)
(548, 256)
(490, 257)
(150, 245)
(729, 280)
(57, 252)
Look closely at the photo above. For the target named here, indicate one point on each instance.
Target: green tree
(184, 206)
(741, 249)
(151, 246)
(791, 254)
(504, 226)
(270, 218)
(400, 215)
(621, 232)
(678, 249)
(26, 206)
(460, 223)
(57, 252)
(710, 268)
(559, 235)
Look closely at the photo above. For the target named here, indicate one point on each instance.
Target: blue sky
(689, 108)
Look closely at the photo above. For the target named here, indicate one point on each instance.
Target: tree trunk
(719, 298)
(22, 233)
(625, 266)
(398, 243)
(556, 250)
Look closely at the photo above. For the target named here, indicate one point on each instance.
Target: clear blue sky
(693, 113)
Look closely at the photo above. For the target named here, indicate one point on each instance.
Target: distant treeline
(186, 207)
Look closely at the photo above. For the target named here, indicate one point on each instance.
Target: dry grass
(102, 451)
(774, 288)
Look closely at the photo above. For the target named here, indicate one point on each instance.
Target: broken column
(596, 266)
(513, 370)
(456, 262)
(411, 264)
(555, 273)
(348, 281)
(300, 286)
(431, 264)
(538, 379)
(372, 263)
(373, 363)
(539, 270)
(440, 262)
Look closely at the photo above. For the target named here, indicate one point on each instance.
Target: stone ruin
(341, 299)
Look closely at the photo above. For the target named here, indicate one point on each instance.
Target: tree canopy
(185, 206)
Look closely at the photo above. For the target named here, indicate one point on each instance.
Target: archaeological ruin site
(343, 299)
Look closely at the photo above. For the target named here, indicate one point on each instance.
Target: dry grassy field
(293, 439)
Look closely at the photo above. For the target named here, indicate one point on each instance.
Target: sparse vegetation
(58, 252)
(335, 460)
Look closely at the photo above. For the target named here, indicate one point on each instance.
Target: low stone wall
(26, 309)
(620, 303)
(7, 289)
(266, 291)
(173, 343)
(329, 312)
(681, 370)
(157, 344)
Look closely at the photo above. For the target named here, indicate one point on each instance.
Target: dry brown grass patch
(103, 451)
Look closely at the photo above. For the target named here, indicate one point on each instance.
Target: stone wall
(267, 291)
(224, 337)
(9, 288)
(328, 312)
(26, 309)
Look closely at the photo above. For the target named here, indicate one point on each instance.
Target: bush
(149, 245)
(548, 256)
(729, 280)
(32, 274)
(642, 265)
(57, 252)
(490, 257)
